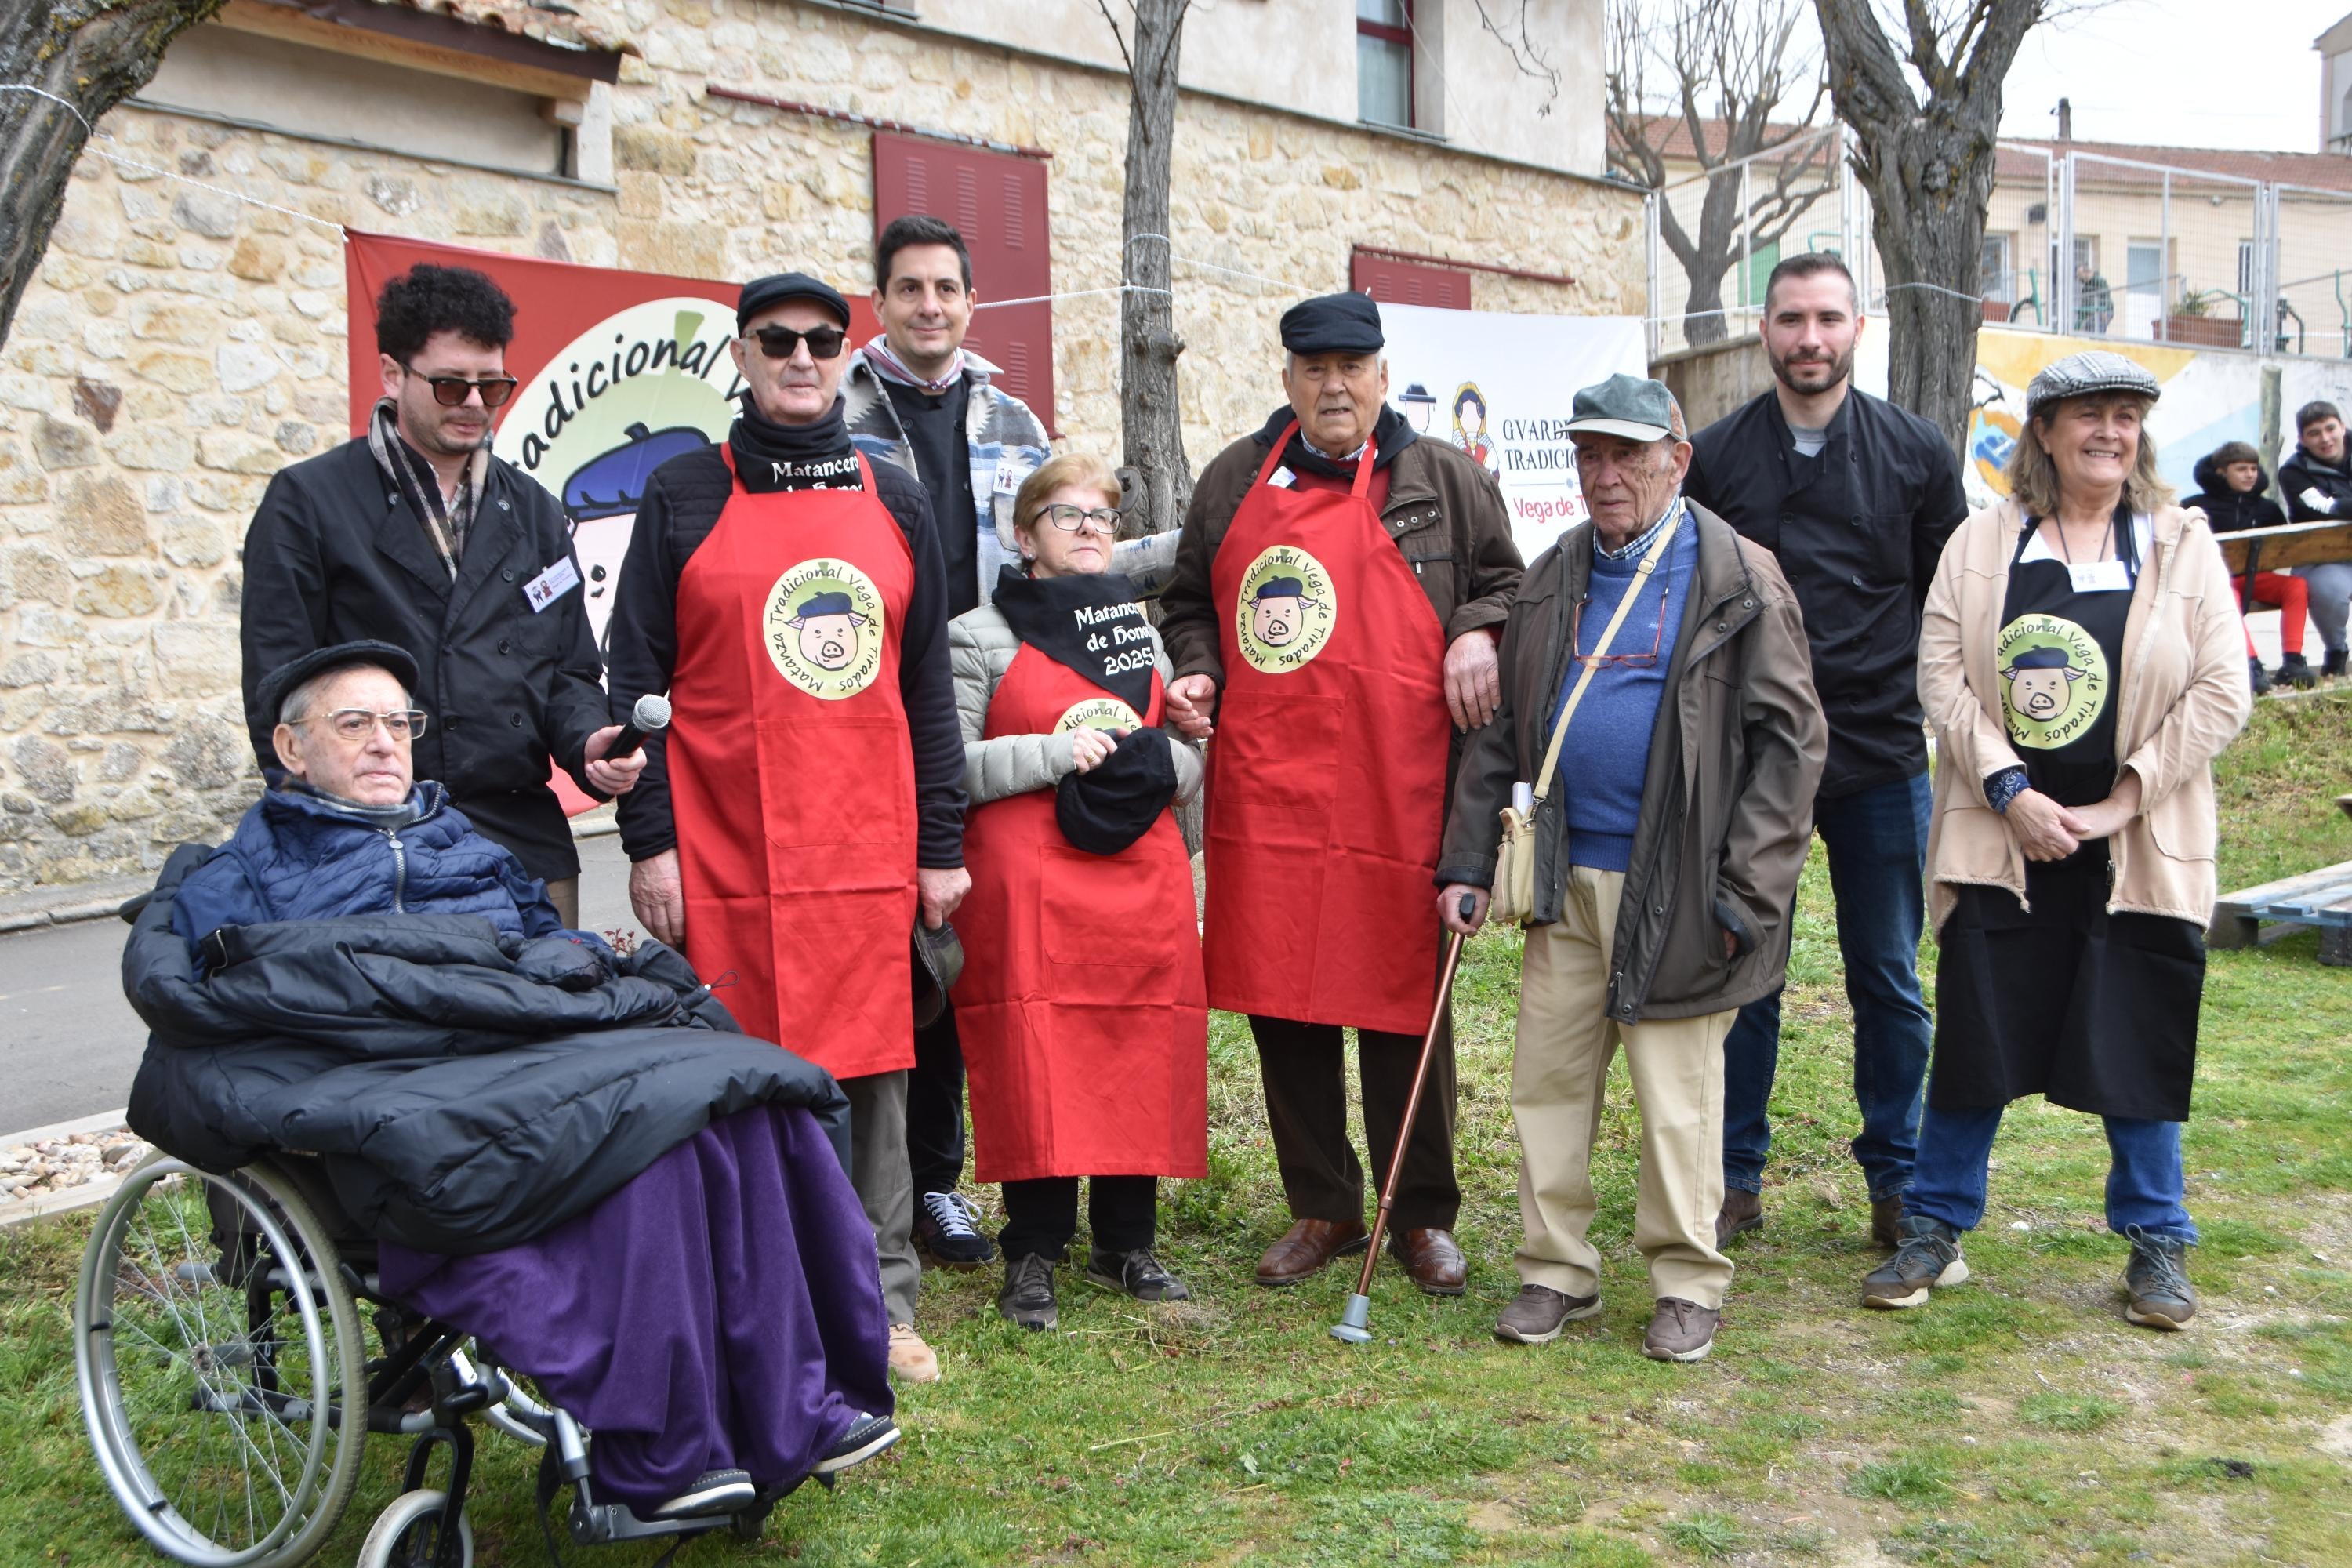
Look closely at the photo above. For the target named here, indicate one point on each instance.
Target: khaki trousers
(1559, 1067)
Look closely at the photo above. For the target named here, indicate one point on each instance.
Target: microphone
(649, 717)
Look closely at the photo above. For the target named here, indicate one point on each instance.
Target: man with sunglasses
(806, 801)
(416, 535)
(1667, 846)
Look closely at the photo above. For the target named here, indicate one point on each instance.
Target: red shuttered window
(1393, 282)
(998, 202)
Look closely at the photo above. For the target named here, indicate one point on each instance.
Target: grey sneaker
(1028, 1299)
(1926, 1254)
(1538, 1314)
(1680, 1331)
(2157, 1279)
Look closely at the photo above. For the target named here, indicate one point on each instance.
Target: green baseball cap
(1632, 406)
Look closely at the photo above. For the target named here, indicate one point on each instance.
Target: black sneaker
(1136, 1273)
(2294, 671)
(1928, 1254)
(867, 1436)
(714, 1492)
(2257, 677)
(2157, 1279)
(947, 1228)
(2333, 664)
(1028, 1299)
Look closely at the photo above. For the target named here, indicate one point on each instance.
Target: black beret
(274, 686)
(1115, 802)
(938, 965)
(1333, 324)
(761, 293)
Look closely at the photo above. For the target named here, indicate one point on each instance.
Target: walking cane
(1351, 1326)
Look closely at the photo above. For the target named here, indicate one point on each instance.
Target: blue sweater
(1606, 755)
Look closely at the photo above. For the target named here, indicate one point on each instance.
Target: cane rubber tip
(1352, 1327)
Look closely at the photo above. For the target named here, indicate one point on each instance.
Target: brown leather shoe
(1432, 1257)
(1307, 1246)
(1883, 1213)
(1742, 1212)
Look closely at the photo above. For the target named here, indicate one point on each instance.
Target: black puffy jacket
(2317, 490)
(2229, 511)
(465, 1090)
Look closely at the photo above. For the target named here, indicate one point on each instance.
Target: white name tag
(1283, 477)
(2099, 576)
(551, 585)
(1008, 477)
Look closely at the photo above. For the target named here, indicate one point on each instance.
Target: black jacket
(465, 1091)
(1857, 531)
(682, 501)
(2228, 510)
(335, 553)
(2315, 490)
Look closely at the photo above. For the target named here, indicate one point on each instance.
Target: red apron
(1326, 778)
(1084, 1022)
(791, 774)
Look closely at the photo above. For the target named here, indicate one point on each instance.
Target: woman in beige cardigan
(2081, 659)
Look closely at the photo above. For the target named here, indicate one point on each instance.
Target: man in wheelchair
(570, 1156)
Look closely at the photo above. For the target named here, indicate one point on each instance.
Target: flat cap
(1632, 406)
(765, 293)
(1333, 324)
(2092, 370)
(390, 657)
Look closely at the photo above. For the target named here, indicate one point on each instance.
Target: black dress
(2056, 996)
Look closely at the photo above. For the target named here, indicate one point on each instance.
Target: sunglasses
(451, 391)
(1625, 660)
(778, 342)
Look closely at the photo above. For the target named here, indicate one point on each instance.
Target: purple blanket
(722, 1310)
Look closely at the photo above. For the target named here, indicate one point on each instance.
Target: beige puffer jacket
(2182, 698)
(980, 648)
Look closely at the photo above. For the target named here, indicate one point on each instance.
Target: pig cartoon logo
(824, 628)
(1285, 610)
(2053, 680)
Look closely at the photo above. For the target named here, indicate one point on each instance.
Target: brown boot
(1742, 1211)
(1432, 1258)
(1307, 1246)
(1884, 1213)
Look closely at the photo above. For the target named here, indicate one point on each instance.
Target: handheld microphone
(649, 717)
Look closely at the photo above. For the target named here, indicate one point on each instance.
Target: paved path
(69, 1043)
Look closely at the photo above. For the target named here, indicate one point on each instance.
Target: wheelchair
(225, 1381)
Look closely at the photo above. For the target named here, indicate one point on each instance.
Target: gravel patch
(33, 1171)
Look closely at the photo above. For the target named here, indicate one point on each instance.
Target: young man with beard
(2317, 482)
(805, 805)
(1855, 499)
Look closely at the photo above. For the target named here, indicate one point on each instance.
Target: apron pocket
(1105, 913)
(1279, 749)
(851, 781)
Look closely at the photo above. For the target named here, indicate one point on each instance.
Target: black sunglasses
(778, 342)
(451, 391)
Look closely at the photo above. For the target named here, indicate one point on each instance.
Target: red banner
(620, 372)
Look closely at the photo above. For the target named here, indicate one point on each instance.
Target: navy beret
(823, 604)
(1333, 324)
(273, 687)
(1280, 588)
(764, 293)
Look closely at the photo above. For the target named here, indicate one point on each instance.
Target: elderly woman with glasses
(1081, 1006)
(2081, 662)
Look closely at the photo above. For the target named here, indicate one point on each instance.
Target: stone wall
(180, 345)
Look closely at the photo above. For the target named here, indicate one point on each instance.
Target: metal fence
(2085, 243)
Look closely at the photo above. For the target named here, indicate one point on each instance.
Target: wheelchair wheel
(409, 1533)
(222, 1368)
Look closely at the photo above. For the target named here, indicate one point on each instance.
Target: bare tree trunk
(1930, 245)
(1151, 429)
(1703, 319)
(92, 54)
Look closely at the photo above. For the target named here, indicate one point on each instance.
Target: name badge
(1283, 477)
(551, 585)
(2099, 576)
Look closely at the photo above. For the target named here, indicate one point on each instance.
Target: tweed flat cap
(2092, 370)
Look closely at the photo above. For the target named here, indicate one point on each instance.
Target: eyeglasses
(353, 726)
(451, 391)
(778, 342)
(1629, 660)
(1104, 520)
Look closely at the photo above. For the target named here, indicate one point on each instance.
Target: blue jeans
(2144, 1178)
(1877, 844)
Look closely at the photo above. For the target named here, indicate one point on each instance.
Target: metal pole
(1747, 241)
(1655, 328)
(2062, 263)
(2164, 259)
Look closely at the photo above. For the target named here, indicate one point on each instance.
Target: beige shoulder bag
(1514, 896)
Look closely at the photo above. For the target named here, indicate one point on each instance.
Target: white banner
(1498, 386)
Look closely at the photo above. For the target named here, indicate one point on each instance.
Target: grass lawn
(2015, 1420)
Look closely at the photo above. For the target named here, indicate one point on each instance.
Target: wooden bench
(2321, 898)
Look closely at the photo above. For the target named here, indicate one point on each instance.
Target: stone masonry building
(185, 337)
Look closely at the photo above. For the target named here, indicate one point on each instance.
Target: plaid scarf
(890, 367)
(448, 523)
